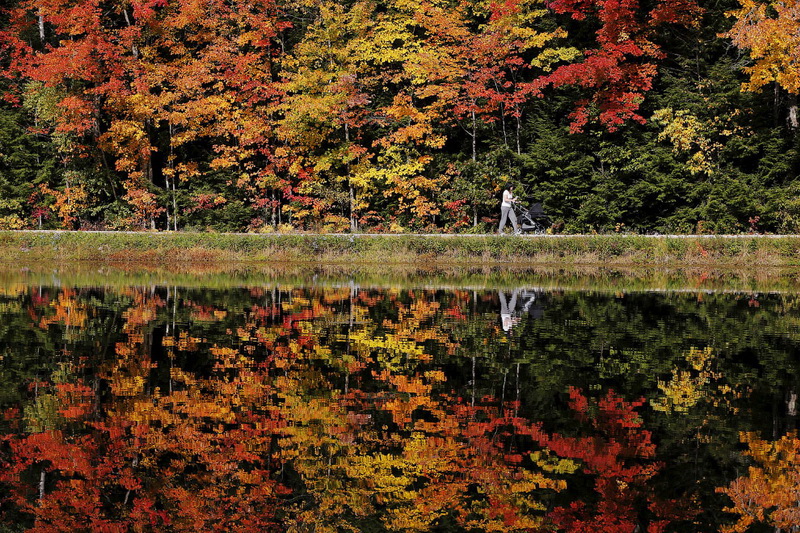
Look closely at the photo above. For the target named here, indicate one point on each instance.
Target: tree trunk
(274, 220)
(792, 119)
(503, 123)
(148, 155)
(174, 206)
(42, 479)
(517, 402)
(474, 137)
(474, 379)
(167, 209)
(134, 50)
(41, 28)
(353, 225)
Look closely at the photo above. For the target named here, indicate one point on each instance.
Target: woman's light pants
(507, 212)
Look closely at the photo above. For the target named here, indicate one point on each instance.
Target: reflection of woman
(506, 210)
(506, 308)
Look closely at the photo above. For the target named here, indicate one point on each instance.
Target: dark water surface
(342, 407)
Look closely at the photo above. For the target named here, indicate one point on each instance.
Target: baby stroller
(533, 220)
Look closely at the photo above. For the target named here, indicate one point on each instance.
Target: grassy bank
(605, 250)
(218, 275)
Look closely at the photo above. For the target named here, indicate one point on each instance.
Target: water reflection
(339, 408)
(521, 302)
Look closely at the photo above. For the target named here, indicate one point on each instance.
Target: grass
(217, 275)
(605, 263)
(605, 250)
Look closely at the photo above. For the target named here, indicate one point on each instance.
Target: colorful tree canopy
(396, 115)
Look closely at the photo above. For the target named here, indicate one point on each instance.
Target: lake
(315, 402)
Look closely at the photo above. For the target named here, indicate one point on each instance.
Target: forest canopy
(399, 115)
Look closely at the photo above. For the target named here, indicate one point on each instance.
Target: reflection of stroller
(532, 303)
(511, 312)
(533, 220)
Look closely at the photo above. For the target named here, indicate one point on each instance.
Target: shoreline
(623, 250)
(222, 276)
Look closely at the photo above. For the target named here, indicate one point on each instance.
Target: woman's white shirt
(507, 198)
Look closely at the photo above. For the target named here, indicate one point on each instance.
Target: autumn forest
(399, 115)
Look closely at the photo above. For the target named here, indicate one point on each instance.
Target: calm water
(347, 408)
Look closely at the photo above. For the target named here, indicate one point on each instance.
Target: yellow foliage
(553, 464)
(687, 387)
(769, 32)
(688, 134)
(68, 202)
(11, 222)
(770, 493)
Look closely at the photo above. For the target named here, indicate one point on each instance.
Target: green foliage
(25, 161)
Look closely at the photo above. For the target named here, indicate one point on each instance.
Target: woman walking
(507, 211)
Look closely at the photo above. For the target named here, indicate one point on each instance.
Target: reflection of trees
(770, 493)
(194, 458)
(619, 454)
(409, 460)
(344, 408)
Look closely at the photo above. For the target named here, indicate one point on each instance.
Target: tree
(145, 82)
(620, 70)
(326, 108)
(768, 31)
